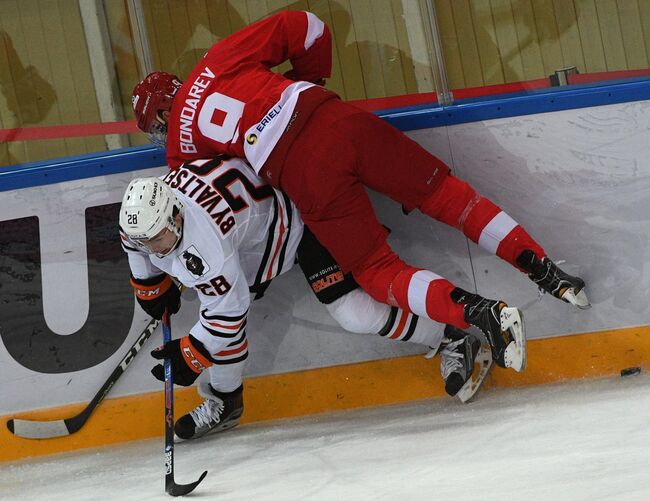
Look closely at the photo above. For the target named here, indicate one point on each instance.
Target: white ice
(579, 441)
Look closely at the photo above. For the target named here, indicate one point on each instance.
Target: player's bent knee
(359, 313)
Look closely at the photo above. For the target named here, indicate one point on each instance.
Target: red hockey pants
(340, 150)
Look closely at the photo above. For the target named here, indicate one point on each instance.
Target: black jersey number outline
(224, 181)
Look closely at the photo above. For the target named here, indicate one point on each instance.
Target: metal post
(140, 37)
(445, 97)
(102, 65)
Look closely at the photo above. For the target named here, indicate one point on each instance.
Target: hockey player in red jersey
(322, 151)
(217, 227)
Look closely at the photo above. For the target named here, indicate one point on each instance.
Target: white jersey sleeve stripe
(315, 28)
(257, 152)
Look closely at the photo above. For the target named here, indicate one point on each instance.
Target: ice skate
(553, 280)
(465, 362)
(502, 325)
(218, 412)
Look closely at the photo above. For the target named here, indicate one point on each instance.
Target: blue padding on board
(411, 118)
(517, 104)
(81, 167)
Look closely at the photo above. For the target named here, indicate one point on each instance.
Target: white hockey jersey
(238, 232)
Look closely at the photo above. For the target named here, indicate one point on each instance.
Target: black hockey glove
(157, 293)
(188, 358)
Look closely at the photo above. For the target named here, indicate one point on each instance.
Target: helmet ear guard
(152, 96)
(149, 206)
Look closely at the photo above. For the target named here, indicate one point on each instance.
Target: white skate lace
(208, 412)
(451, 360)
(438, 349)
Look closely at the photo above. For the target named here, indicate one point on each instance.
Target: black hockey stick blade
(174, 489)
(27, 428)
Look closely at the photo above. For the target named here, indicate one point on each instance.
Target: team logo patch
(251, 139)
(194, 262)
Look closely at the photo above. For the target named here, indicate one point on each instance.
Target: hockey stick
(26, 428)
(171, 487)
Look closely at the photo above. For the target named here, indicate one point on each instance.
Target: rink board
(315, 391)
(578, 180)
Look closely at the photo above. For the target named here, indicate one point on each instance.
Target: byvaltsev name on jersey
(238, 232)
(204, 195)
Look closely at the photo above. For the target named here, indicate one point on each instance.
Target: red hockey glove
(188, 358)
(157, 293)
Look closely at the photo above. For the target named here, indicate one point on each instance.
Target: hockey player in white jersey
(215, 226)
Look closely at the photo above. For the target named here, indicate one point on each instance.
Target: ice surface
(586, 440)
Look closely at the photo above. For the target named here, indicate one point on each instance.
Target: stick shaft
(26, 428)
(171, 487)
(169, 408)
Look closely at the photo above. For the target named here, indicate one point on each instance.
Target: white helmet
(148, 207)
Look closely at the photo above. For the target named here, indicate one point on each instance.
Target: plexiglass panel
(67, 67)
(495, 46)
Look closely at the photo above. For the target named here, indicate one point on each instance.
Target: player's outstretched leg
(457, 204)
(465, 362)
(502, 325)
(553, 280)
(219, 412)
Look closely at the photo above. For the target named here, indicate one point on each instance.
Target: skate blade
(482, 367)
(219, 428)
(515, 352)
(579, 300)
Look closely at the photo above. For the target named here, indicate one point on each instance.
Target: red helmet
(154, 94)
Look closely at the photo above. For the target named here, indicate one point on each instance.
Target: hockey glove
(157, 293)
(188, 359)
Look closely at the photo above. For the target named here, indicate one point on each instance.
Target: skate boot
(553, 280)
(218, 412)
(502, 325)
(465, 362)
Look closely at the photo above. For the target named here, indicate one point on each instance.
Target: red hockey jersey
(233, 104)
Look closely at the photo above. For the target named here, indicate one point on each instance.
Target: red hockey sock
(457, 204)
(388, 279)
